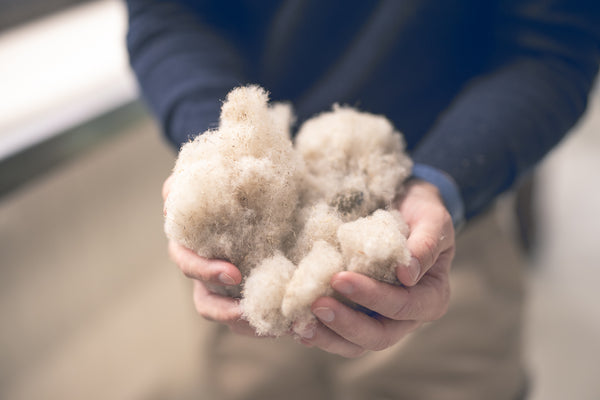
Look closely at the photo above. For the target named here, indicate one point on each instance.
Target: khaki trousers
(473, 352)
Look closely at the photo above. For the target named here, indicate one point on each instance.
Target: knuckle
(225, 318)
(194, 270)
(408, 310)
(400, 312)
(186, 269)
(353, 332)
(187, 262)
(198, 299)
(202, 304)
(428, 250)
(201, 310)
(372, 300)
(179, 259)
(222, 316)
(417, 309)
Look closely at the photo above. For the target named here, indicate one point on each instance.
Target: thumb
(431, 233)
(425, 243)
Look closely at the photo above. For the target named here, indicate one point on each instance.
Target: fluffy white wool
(355, 160)
(320, 222)
(311, 280)
(235, 190)
(263, 294)
(290, 217)
(375, 245)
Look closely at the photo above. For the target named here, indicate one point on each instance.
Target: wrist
(447, 188)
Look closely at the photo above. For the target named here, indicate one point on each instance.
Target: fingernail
(226, 279)
(414, 269)
(324, 314)
(342, 287)
(305, 333)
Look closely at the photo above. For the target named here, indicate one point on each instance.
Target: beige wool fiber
(263, 294)
(290, 214)
(311, 280)
(375, 245)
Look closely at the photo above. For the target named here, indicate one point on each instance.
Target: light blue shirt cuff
(448, 190)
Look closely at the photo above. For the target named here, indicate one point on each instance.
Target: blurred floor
(93, 309)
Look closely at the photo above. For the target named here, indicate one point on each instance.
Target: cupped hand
(397, 310)
(206, 274)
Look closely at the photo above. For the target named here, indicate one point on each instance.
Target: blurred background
(91, 307)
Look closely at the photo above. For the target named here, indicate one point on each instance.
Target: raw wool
(355, 160)
(263, 293)
(235, 189)
(290, 217)
(310, 281)
(223, 216)
(375, 245)
(319, 222)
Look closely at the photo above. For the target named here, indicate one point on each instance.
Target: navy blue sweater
(480, 89)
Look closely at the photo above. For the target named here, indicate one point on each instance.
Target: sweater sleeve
(183, 67)
(504, 122)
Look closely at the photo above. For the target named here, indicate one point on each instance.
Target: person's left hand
(399, 309)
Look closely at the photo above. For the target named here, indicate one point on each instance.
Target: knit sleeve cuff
(448, 190)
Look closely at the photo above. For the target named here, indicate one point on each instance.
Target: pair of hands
(341, 329)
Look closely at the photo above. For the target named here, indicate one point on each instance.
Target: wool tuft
(290, 214)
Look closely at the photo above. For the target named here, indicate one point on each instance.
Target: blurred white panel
(60, 71)
(563, 317)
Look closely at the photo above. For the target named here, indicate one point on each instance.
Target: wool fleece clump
(290, 215)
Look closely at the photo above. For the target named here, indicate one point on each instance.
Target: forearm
(505, 121)
(489, 137)
(183, 68)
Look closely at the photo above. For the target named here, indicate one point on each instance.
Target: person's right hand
(205, 273)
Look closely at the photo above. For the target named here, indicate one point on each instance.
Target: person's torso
(406, 59)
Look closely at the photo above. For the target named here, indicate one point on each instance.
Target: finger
(428, 238)
(426, 301)
(327, 340)
(196, 267)
(222, 309)
(215, 307)
(358, 328)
